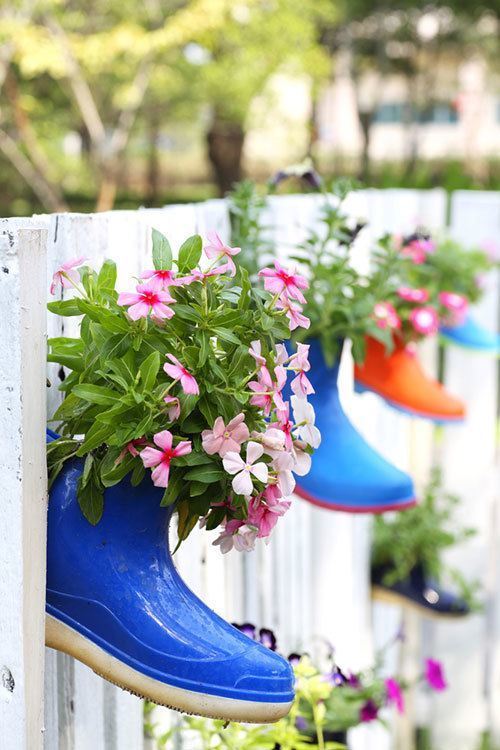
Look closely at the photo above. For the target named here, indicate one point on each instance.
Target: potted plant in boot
(454, 276)
(409, 314)
(407, 558)
(348, 474)
(174, 402)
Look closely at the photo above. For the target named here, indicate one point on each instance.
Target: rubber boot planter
(401, 381)
(419, 592)
(471, 335)
(116, 603)
(347, 474)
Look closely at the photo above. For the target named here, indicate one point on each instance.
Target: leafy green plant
(178, 377)
(420, 536)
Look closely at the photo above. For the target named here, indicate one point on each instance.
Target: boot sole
(360, 388)
(391, 597)
(346, 508)
(61, 637)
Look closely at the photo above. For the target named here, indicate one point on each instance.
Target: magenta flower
(395, 694)
(286, 425)
(293, 312)
(369, 711)
(145, 301)
(243, 470)
(424, 320)
(221, 438)
(160, 459)
(434, 674)
(267, 392)
(264, 515)
(413, 295)
(217, 249)
(299, 362)
(177, 371)
(174, 407)
(386, 316)
(66, 275)
(159, 280)
(457, 304)
(280, 281)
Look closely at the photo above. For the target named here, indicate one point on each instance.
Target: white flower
(304, 416)
(243, 470)
(283, 465)
(302, 459)
(281, 354)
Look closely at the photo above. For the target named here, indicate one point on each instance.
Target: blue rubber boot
(471, 335)
(346, 473)
(116, 602)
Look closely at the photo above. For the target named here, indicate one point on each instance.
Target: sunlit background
(121, 103)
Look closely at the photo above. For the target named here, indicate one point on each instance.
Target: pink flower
(178, 372)
(264, 515)
(457, 304)
(255, 352)
(197, 275)
(217, 249)
(286, 425)
(145, 301)
(243, 470)
(293, 312)
(424, 320)
(413, 295)
(66, 275)
(131, 448)
(236, 534)
(395, 694)
(272, 439)
(174, 407)
(279, 281)
(159, 280)
(282, 355)
(418, 249)
(386, 316)
(299, 362)
(222, 439)
(161, 459)
(268, 392)
(301, 458)
(434, 674)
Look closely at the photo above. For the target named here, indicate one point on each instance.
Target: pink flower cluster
(456, 306)
(417, 249)
(287, 287)
(262, 464)
(424, 319)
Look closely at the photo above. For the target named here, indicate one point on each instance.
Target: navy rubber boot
(419, 592)
(347, 474)
(116, 602)
(472, 335)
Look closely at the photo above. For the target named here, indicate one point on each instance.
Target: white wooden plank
(24, 482)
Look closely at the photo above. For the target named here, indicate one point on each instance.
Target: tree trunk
(366, 120)
(225, 149)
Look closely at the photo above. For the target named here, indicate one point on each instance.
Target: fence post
(23, 485)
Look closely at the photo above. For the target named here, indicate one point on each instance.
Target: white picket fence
(311, 582)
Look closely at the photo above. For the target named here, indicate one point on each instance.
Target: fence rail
(312, 580)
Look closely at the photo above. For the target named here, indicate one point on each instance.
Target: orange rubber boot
(400, 380)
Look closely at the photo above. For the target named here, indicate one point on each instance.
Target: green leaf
(205, 474)
(118, 471)
(149, 371)
(90, 500)
(186, 312)
(107, 275)
(190, 253)
(176, 484)
(208, 410)
(185, 521)
(70, 361)
(67, 308)
(204, 349)
(87, 468)
(162, 252)
(95, 437)
(112, 322)
(96, 394)
(226, 335)
(197, 488)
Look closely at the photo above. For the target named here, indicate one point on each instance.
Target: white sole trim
(61, 637)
